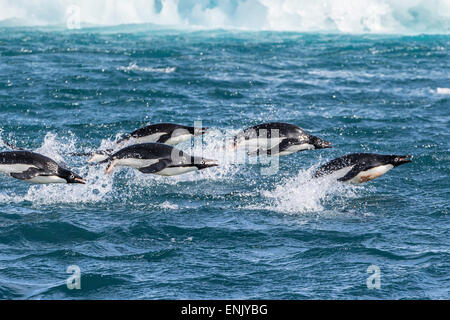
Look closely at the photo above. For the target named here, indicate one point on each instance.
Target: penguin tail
(122, 140)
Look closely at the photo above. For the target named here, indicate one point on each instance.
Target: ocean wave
(346, 16)
(134, 67)
(90, 282)
(46, 232)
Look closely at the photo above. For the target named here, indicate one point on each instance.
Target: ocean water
(229, 232)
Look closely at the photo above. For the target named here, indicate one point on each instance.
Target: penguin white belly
(340, 173)
(371, 174)
(19, 167)
(46, 180)
(135, 163)
(294, 148)
(255, 144)
(150, 138)
(173, 171)
(178, 139)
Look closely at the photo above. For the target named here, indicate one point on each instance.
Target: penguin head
(70, 176)
(202, 163)
(197, 131)
(397, 160)
(319, 143)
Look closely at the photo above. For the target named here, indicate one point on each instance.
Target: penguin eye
(396, 159)
(72, 177)
(203, 161)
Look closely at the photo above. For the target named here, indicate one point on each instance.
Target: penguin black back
(165, 129)
(151, 150)
(28, 157)
(283, 129)
(360, 165)
(36, 168)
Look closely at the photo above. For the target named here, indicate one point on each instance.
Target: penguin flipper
(352, 173)
(27, 174)
(156, 167)
(164, 138)
(283, 145)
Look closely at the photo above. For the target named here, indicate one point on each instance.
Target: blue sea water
(228, 232)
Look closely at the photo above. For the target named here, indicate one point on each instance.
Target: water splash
(98, 188)
(301, 194)
(55, 148)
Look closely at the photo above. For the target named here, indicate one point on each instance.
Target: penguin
(35, 168)
(157, 158)
(277, 139)
(167, 133)
(360, 167)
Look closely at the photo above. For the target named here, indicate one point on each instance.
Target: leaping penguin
(360, 167)
(277, 139)
(35, 168)
(167, 133)
(157, 158)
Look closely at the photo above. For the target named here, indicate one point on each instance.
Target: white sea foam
(301, 194)
(97, 189)
(348, 16)
(134, 67)
(7, 198)
(55, 148)
(169, 205)
(443, 90)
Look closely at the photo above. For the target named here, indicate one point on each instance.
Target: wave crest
(134, 67)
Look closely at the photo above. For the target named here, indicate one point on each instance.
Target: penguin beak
(326, 144)
(200, 131)
(321, 144)
(402, 160)
(80, 180)
(207, 163)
